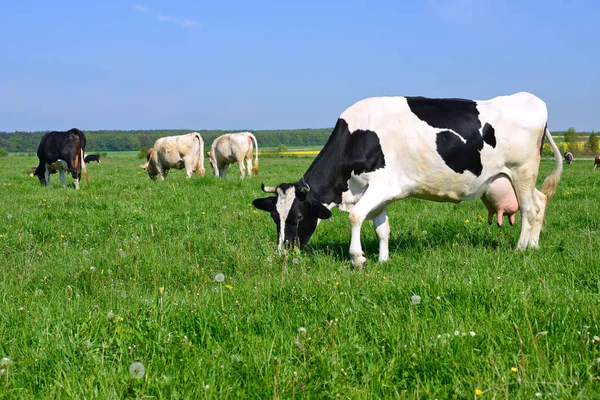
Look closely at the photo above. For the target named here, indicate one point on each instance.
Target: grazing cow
(384, 149)
(230, 148)
(568, 157)
(179, 152)
(596, 162)
(61, 151)
(92, 157)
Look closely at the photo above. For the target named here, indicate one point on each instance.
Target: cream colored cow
(233, 147)
(179, 152)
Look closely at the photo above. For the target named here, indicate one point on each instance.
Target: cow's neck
(324, 178)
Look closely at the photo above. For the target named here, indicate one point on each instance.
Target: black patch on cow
(488, 133)
(345, 152)
(460, 143)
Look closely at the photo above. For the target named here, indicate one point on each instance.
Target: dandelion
(86, 252)
(137, 370)
(229, 287)
(596, 339)
(337, 284)
(415, 299)
(269, 259)
(295, 261)
(466, 222)
(161, 289)
(219, 277)
(478, 392)
(472, 333)
(5, 362)
(514, 369)
(92, 268)
(302, 330)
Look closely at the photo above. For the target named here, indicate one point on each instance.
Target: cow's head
(295, 211)
(150, 165)
(40, 172)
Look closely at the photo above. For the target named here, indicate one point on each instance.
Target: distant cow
(61, 151)
(596, 162)
(230, 148)
(384, 149)
(92, 157)
(568, 157)
(178, 152)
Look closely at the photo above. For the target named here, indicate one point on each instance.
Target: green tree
(3, 152)
(571, 140)
(592, 143)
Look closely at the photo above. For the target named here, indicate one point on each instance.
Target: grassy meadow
(123, 271)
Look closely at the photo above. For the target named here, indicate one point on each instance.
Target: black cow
(62, 151)
(384, 149)
(92, 157)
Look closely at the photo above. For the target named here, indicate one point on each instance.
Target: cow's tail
(200, 155)
(551, 182)
(82, 143)
(255, 166)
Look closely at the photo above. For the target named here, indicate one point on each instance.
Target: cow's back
(447, 149)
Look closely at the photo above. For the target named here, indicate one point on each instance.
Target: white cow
(183, 151)
(384, 149)
(230, 148)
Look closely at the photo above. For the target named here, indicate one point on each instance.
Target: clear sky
(117, 64)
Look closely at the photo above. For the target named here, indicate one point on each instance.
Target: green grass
(68, 258)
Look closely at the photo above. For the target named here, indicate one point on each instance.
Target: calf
(179, 152)
(61, 151)
(230, 148)
(384, 149)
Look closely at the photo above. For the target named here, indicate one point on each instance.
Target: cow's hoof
(359, 262)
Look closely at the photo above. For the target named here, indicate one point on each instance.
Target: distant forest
(108, 140)
(111, 140)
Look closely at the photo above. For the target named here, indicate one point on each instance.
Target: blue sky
(188, 64)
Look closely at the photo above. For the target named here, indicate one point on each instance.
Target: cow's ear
(144, 166)
(319, 210)
(208, 154)
(265, 204)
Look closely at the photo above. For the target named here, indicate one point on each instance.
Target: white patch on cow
(283, 206)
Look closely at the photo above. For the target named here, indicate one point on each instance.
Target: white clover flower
(110, 315)
(415, 299)
(137, 370)
(472, 333)
(2, 371)
(269, 259)
(5, 362)
(92, 268)
(424, 233)
(85, 252)
(219, 277)
(295, 261)
(302, 330)
(456, 333)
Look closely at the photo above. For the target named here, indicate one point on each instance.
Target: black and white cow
(568, 157)
(384, 149)
(62, 151)
(92, 157)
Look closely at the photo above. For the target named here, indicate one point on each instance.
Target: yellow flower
(514, 369)
(203, 213)
(479, 218)
(161, 289)
(337, 284)
(229, 287)
(118, 329)
(118, 318)
(135, 210)
(478, 392)
(466, 221)
(62, 236)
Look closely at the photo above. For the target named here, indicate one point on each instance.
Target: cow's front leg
(63, 178)
(381, 224)
(357, 255)
(47, 175)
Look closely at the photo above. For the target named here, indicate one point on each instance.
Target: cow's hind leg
(532, 208)
(242, 168)
(381, 224)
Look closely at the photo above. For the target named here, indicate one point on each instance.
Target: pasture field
(124, 270)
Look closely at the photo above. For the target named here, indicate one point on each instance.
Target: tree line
(114, 140)
(579, 143)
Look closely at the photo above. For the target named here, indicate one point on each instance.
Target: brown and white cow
(61, 151)
(230, 148)
(596, 162)
(178, 152)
